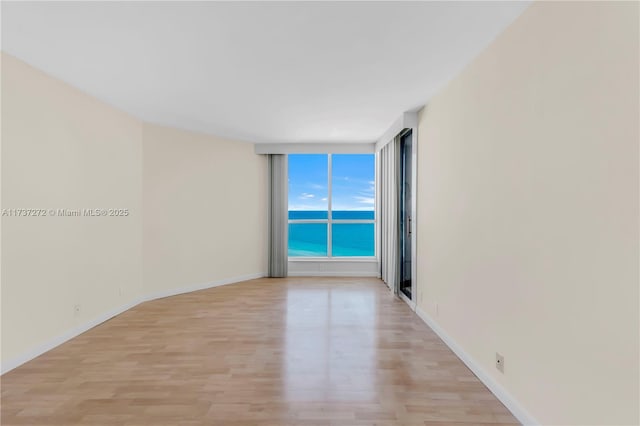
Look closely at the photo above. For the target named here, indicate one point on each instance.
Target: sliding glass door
(405, 218)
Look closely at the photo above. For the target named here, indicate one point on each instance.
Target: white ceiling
(257, 71)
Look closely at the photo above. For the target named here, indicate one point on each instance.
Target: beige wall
(204, 209)
(63, 149)
(528, 211)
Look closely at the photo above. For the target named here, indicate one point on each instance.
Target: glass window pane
(307, 214)
(308, 186)
(353, 186)
(352, 239)
(352, 214)
(307, 239)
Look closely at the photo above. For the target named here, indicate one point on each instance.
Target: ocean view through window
(331, 205)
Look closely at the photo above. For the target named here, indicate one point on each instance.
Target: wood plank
(299, 351)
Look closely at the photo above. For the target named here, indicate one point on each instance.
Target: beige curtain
(389, 247)
(278, 216)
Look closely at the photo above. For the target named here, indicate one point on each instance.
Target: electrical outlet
(76, 310)
(499, 362)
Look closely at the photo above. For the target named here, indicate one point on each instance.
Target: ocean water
(348, 239)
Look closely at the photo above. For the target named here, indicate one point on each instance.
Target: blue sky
(353, 181)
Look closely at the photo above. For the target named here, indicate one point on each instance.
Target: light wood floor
(271, 352)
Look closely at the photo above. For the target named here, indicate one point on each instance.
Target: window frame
(330, 221)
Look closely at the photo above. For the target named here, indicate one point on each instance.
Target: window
(331, 205)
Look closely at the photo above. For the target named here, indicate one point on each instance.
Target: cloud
(298, 207)
(306, 196)
(365, 200)
(324, 199)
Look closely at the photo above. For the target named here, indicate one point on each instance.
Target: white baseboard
(58, 340)
(496, 388)
(76, 331)
(333, 274)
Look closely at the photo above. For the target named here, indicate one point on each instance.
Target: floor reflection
(330, 349)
